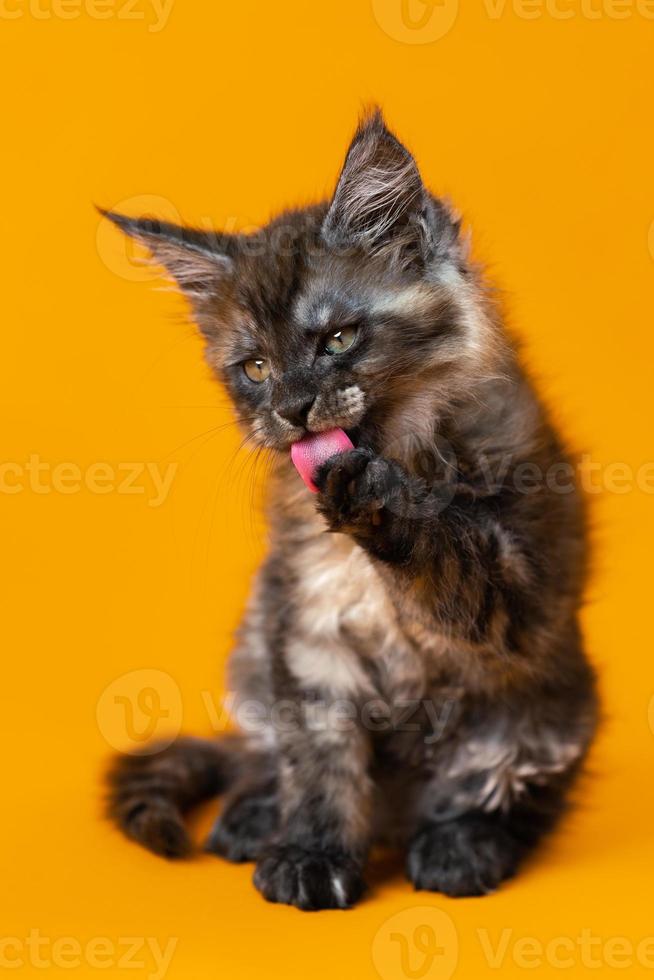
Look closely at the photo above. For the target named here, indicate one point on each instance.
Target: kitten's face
(337, 315)
(317, 340)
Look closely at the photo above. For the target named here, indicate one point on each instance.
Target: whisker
(214, 430)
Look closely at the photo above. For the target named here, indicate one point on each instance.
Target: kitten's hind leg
(249, 817)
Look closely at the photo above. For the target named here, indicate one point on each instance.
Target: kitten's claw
(309, 880)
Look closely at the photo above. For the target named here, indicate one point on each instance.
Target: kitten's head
(360, 313)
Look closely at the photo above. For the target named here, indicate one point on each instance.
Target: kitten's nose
(297, 410)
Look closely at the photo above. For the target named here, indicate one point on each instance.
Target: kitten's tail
(150, 792)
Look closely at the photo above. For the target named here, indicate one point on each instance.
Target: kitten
(412, 637)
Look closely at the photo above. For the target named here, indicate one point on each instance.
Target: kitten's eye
(340, 340)
(257, 369)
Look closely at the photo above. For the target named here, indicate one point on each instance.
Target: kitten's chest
(345, 637)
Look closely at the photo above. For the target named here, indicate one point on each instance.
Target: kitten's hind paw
(309, 880)
(242, 829)
(465, 857)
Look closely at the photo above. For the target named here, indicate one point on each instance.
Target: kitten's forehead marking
(322, 314)
(319, 310)
(313, 310)
(418, 299)
(409, 299)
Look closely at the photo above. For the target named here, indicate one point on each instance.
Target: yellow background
(539, 128)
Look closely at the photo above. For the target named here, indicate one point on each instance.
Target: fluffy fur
(428, 588)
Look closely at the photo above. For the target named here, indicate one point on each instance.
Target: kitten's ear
(197, 260)
(380, 202)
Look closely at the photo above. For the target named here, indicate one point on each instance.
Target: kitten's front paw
(309, 880)
(355, 486)
(465, 857)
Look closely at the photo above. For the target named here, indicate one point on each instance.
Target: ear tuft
(198, 261)
(380, 200)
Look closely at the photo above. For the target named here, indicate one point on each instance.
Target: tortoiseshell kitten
(412, 639)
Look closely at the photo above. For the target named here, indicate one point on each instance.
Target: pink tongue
(311, 452)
